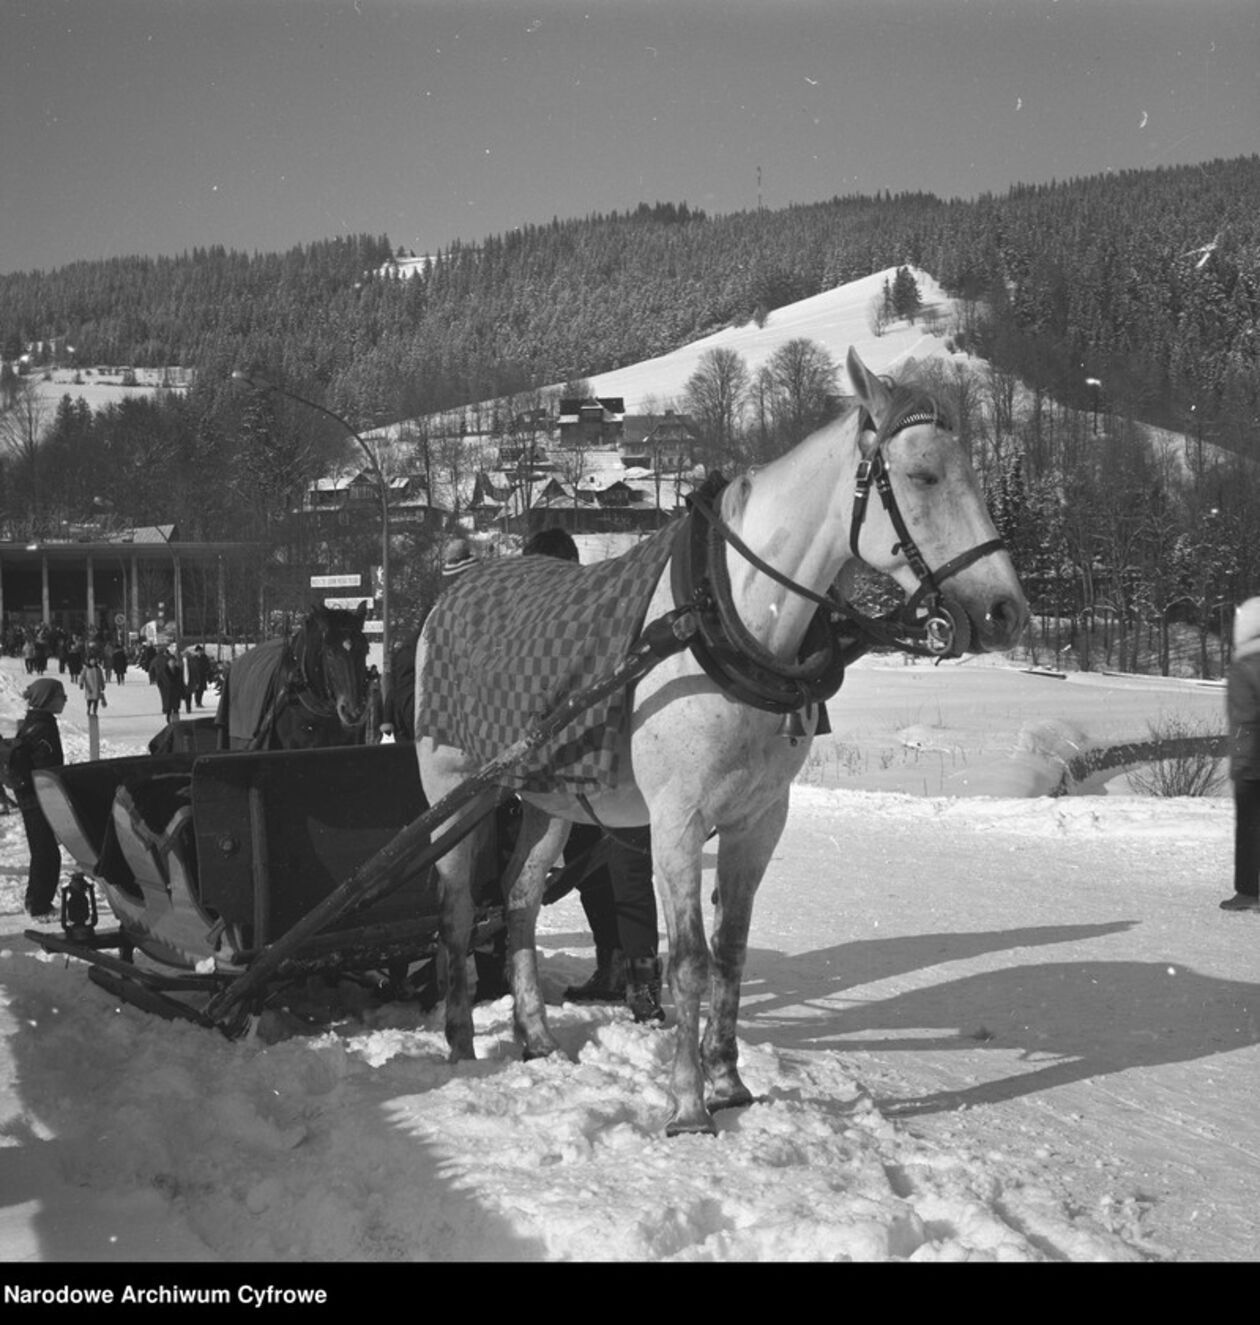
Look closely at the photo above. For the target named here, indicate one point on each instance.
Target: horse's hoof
(462, 1053)
(530, 1052)
(737, 1099)
(702, 1126)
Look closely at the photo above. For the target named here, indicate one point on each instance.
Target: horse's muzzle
(351, 716)
(952, 631)
(1000, 627)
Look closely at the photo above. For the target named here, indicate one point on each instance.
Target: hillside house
(663, 442)
(591, 423)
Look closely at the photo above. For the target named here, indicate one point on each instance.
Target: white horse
(699, 760)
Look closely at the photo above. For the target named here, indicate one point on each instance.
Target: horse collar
(732, 658)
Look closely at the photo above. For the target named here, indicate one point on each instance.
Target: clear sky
(153, 126)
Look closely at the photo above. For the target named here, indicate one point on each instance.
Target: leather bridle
(934, 634)
(939, 628)
(312, 692)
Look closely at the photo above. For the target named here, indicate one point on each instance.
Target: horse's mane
(734, 496)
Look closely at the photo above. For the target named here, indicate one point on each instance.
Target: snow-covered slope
(835, 319)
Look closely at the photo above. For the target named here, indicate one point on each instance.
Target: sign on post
(336, 581)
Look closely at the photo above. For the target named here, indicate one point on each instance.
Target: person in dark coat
(168, 672)
(118, 664)
(1242, 707)
(74, 657)
(398, 713)
(199, 670)
(38, 745)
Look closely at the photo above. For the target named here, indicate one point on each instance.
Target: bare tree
(715, 396)
(804, 378)
(1001, 388)
(23, 425)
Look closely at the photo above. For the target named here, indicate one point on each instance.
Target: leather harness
(838, 634)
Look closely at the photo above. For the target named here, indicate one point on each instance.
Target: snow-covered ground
(980, 1028)
(102, 387)
(835, 319)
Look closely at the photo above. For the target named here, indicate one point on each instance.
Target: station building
(114, 585)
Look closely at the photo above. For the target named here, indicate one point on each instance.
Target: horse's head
(332, 652)
(928, 526)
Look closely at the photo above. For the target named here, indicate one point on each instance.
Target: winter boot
(607, 985)
(1241, 902)
(643, 989)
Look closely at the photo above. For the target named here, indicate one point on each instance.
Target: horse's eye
(923, 478)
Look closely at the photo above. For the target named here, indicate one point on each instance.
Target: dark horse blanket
(511, 639)
(251, 688)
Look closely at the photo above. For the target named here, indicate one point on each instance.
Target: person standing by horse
(38, 745)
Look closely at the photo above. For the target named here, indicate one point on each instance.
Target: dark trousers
(1247, 837)
(45, 871)
(618, 899)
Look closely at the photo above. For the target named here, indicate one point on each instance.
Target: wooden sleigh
(208, 859)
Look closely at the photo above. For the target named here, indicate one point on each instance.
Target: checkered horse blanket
(250, 689)
(511, 639)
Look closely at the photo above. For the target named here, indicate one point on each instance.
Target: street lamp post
(1096, 387)
(260, 383)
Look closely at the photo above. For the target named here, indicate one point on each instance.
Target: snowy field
(981, 1027)
(99, 387)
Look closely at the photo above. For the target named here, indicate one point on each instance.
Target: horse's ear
(869, 389)
(362, 613)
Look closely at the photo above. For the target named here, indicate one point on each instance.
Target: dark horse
(298, 693)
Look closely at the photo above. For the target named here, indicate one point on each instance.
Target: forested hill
(1149, 279)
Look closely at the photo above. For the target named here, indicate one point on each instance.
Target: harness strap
(729, 654)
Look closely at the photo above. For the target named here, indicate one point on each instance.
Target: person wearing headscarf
(38, 745)
(1242, 707)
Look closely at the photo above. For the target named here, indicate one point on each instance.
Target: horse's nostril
(1006, 616)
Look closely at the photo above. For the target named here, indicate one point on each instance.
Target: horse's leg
(538, 845)
(743, 855)
(677, 843)
(454, 874)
